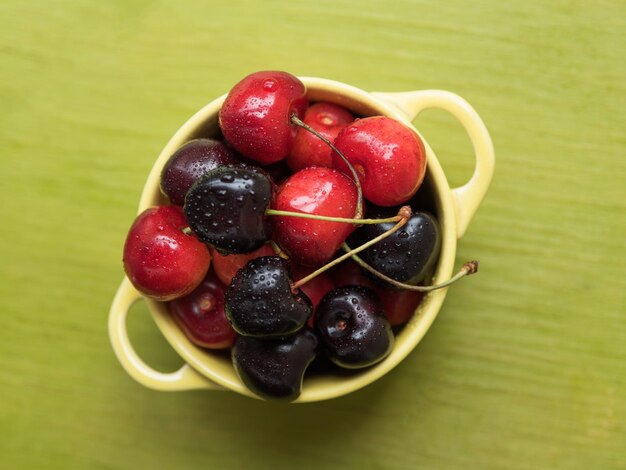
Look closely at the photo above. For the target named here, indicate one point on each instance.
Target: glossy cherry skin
(274, 368)
(255, 117)
(189, 162)
(200, 315)
(159, 259)
(389, 158)
(226, 208)
(321, 191)
(408, 255)
(227, 265)
(308, 149)
(353, 328)
(260, 301)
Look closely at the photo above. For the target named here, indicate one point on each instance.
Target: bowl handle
(468, 197)
(186, 378)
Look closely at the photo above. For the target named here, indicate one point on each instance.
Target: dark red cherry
(399, 305)
(353, 328)
(200, 315)
(255, 117)
(260, 301)
(226, 208)
(274, 368)
(320, 191)
(308, 149)
(389, 158)
(407, 255)
(189, 162)
(160, 260)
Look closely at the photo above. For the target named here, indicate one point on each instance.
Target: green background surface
(524, 368)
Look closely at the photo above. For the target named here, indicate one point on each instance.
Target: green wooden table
(524, 368)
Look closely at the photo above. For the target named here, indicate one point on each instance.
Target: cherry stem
(358, 213)
(303, 215)
(278, 250)
(468, 268)
(404, 214)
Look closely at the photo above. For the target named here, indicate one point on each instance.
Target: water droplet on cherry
(270, 85)
(227, 177)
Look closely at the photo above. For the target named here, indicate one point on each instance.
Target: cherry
(227, 265)
(399, 305)
(226, 208)
(308, 149)
(191, 161)
(388, 157)
(160, 260)
(201, 316)
(275, 368)
(255, 117)
(261, 302)
(353, 328)
(320, 191)
(407, 255)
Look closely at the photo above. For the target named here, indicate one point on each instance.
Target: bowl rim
(210, 365)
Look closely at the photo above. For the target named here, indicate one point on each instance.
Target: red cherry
(315, 289)
(399, 305)
(389, 158)
(309, 150)
(160, 260)
(201, 315)
(255, 117)
(321, 191)
(226, 266)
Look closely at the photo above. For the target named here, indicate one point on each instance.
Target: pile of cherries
(249, 254)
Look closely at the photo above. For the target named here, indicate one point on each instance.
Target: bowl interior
(322, 382)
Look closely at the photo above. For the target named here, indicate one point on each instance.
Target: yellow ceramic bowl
(454, 207)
